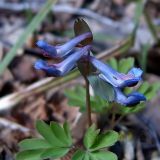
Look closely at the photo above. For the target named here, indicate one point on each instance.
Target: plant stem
(88, 104)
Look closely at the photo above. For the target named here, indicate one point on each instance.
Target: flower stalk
(88, 103)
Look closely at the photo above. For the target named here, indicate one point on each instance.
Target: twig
(12, 125)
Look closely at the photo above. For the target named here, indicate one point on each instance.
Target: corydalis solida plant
(56, 141)
(77, 52)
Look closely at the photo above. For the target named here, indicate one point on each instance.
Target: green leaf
(103, 155)
(151, 25)
(144, 87)
(54, 153)
(156, 86)
(101, 88)
(30, 155)
(113, 63)
(30, 29)
(59, 133)
(143, 56)
(138, 11)
(123, 110)
(47, 133)
(67, 132)
(76, 97)
(90, 136)
(149, 95)
(79, 155)
(34, 143)
(125, 64)
(105, 140)
(98, 104)
(128, 90)
(86, 156)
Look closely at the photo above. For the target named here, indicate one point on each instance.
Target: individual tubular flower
(62, 50)
(115, 78)
(63, 67)
(131, 99)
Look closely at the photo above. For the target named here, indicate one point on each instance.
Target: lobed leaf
(90, 136)
(103, 155)
(54, 153)
(113, 63)
(125, 64)
(48, 134)
(144, 87)
(67, 132)
(79, 155)
(105, 140)
(34, 143)
(59, 133)
(30, 155)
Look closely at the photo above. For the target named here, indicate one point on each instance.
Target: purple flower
(115, 78)
(62, 50)
(71, 55)
(63, 67)
(131, 99)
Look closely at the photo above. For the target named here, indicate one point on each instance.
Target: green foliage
(125, 64)
(90, 136)
(55, 142)
(143, 56)
(77, 95)
(94, 143)
(113, 62)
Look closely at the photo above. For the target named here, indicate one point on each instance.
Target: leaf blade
(34, 143)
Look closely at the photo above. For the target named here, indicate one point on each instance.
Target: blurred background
(126, 33)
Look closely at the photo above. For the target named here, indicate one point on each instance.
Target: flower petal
(65, 48)
(115, 78)
(62, 50)
(63, 67)
(131, 99)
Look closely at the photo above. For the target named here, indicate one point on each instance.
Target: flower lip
(135, 98)
(130, 82)
(131, 99)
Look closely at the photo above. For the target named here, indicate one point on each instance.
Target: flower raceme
(71, 54)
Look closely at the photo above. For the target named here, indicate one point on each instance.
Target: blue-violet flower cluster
(70, 54)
